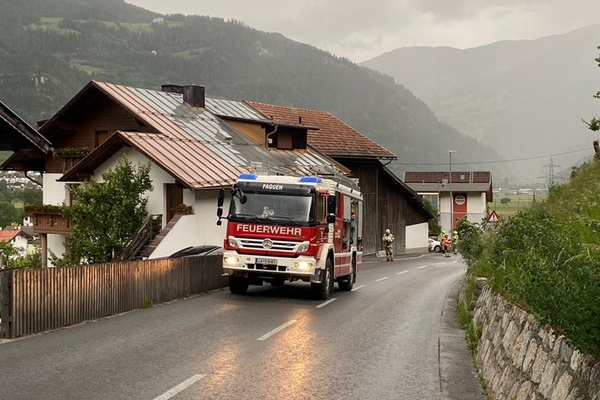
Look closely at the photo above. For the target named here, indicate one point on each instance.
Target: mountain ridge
(525, 98)
(56, 47)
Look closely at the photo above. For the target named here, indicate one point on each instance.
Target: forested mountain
(49, 49)
(523, 98)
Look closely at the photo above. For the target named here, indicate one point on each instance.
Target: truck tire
(238, 284)
(347, 282)
(321, 291)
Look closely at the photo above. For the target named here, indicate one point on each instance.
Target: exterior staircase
(139, 242)
(153, 244)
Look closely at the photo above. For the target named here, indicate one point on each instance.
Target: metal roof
(235, 109)
(11, 124)
(194, 145)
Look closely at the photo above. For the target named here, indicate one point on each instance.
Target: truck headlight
(304, 265)
(231, 260)
(303, 247)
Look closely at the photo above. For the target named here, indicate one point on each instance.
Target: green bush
(547, 259)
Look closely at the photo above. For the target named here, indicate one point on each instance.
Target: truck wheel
(321, 291)
(347, 282)
(238, 284)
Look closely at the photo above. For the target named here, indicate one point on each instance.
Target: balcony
(70, 161)
(50, 222)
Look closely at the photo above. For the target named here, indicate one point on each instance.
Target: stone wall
(521, 360)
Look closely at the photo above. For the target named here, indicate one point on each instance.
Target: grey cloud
(360, 30)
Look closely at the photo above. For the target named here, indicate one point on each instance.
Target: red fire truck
(292, 228)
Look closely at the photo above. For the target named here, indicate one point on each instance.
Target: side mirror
(332, 205)
(221, 198)
(219, 212)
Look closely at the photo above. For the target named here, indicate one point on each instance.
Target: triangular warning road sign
(493, 217)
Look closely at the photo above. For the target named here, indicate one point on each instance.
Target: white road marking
(179, 388)
(381, 279)
(278, 329)
(400, 273)
(327, 302)
(358, 287)
(424, 266)
(397, 259)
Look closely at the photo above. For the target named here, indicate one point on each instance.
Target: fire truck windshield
(273, 208)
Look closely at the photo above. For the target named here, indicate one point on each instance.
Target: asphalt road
(395, 336)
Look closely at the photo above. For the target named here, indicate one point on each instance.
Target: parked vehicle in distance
(193, 251)
(434, 245)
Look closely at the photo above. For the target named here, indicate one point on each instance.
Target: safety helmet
(443, 232)
(455, 232)
(387, 231)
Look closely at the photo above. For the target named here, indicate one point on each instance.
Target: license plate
(266, 261)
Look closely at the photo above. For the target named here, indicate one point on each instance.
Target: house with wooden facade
(471, 192)
(389, 203)
(192, 152)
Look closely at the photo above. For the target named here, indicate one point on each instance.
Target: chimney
(194, 95)
(170, 88)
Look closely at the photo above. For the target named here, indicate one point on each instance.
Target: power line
(499, 161)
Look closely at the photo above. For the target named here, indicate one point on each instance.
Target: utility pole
(451, 196)
(550, 171)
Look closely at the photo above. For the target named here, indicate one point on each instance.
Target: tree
(9, 254)
(594, 123)
(31, 196)
(8, 214)
(106, 214)
(434, 224)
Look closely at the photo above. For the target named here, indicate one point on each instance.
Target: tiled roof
(456, 187)
(439, 176)
(198, 148)
(6, 235)
(462, 181)
(334, 137)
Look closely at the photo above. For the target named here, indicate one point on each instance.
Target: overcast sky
(361, 30)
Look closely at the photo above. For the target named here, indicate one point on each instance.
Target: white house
(192, 152)
(471, 192)
(17, 237)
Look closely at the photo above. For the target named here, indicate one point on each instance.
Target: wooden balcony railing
(70, 161)
(51, 222)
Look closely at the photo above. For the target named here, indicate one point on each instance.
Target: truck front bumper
(300, 267)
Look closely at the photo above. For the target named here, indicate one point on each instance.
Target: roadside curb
(453, 356)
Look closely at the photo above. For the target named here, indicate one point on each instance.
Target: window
(321, 208)
(432, 198)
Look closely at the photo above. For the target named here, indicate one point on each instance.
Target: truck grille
(277, 245)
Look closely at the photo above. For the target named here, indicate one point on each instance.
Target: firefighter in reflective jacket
(446, 244)
(387, 240)
(455, 242)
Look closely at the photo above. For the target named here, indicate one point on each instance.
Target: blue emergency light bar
(311, 179)
(248, 177)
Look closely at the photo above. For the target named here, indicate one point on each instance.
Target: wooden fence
(38, 300)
